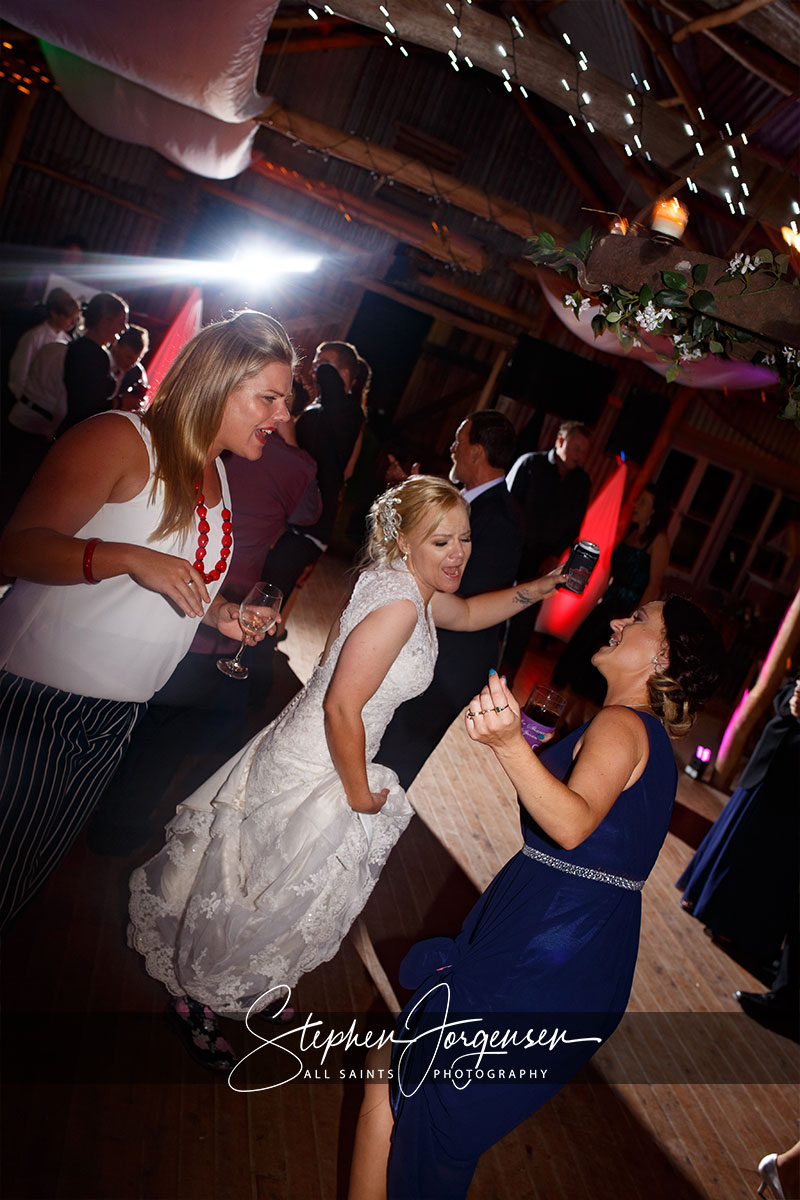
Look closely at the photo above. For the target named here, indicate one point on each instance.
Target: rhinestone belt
(632, 885)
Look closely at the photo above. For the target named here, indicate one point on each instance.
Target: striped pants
(58, 752)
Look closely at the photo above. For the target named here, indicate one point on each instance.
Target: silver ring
(190, 583)
(470, 715)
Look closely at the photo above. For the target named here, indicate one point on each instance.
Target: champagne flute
(258, 612)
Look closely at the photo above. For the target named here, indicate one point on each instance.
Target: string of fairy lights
(16, 71)
(736, 195)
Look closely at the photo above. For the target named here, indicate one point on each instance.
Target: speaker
(638, 424)
(556, 381)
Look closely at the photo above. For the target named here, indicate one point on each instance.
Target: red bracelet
(88, 555)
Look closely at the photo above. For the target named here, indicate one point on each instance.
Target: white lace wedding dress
(266, 866)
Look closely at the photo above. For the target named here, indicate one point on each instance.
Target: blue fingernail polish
(492, 671)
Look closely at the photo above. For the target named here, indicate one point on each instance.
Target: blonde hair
(188, 408)
(670, 705)
(415, 505)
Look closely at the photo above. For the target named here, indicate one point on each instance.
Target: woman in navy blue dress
(553, 941)
(742, 882)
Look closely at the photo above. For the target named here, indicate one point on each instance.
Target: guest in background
(637, 569)
(553, 491)
(62, 312)
(779, 1008)
(481, 451)
(32, 424)
(119, 503)
(328, 430)
(87, 366)
(743, 880)
(129, 374)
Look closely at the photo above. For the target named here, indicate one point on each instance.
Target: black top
(328, 430)
(553, 507)
(464, 659)
(88, 380)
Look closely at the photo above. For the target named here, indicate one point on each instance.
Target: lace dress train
(266, 866)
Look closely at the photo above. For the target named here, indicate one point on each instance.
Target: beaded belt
(633, 885)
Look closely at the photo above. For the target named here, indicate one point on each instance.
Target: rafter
(415, 174)
(751, 55)
(663, 52)
(431, 237)
(725, 16)
(584, 185)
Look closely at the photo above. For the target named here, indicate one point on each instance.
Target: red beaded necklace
(202, 539)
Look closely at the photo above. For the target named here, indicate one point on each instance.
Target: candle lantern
(670, 218)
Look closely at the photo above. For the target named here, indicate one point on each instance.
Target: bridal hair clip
(390, 518)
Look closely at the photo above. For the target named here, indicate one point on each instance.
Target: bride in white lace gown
(268, 864)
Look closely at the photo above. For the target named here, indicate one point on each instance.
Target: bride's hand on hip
(493, 717)
(373, 802)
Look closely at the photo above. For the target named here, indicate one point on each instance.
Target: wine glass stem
(238, 653)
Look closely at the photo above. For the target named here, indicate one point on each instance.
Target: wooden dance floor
(101, 1102)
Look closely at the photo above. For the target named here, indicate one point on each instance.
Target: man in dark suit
(482, 451)
(552, 489)
(330, 431)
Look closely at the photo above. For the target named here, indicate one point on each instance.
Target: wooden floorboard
(659, 1113)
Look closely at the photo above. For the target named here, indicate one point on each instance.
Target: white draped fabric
(177, 77)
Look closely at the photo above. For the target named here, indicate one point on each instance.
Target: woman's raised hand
(493, 717)
(173, 577)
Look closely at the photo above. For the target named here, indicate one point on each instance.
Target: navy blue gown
(545, 945)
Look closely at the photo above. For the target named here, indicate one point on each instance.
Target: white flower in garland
(742, 263)
(651, 319)
(570, 301)
(789, 354)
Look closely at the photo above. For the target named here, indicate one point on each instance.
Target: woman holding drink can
(553, 941)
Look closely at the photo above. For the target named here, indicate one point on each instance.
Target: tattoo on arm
(523, 597)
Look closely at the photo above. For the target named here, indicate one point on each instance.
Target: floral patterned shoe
(199, 1030)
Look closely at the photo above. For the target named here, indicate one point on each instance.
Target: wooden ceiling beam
(504, 312)
(540, 66)
(662, 50)
(774, 183)
(725, 16)
(436, 311)
(388, 163)
(304, 228)
(751, 55)
(584, 186)
(431, 237)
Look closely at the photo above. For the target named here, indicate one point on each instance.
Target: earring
(405, 557)
(659, 668)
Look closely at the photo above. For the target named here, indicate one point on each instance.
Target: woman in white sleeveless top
(118, 548)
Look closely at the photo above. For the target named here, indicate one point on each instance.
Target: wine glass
(258, 612)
